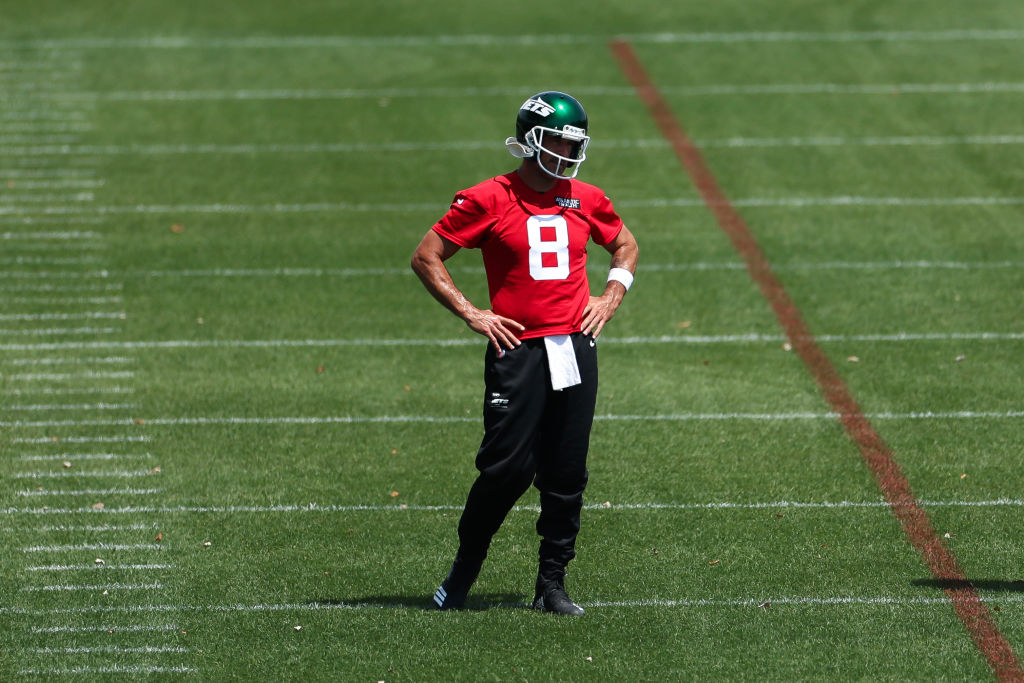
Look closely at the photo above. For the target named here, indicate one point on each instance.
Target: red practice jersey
(534, 246)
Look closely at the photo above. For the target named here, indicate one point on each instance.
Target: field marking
(90, 546)
(57, 331)
(99, 568)
(595, 507)
(91, 391)
(108, 649)
(758, 602)
(344, 207)
(109, 360)
(920, 264)
(99, 528)
(82, 456)
(88, 315)
(99, 629)
(302, 94)
(879, 458)
(485, 40)
(156, 585)
(745, 338)
(111, 669)
(10, 199)
(477, 145)
(53, 376)
(49, 301)
(83, 439)
(442, 419)
(118, 474)
(44, 407)
(127, 491)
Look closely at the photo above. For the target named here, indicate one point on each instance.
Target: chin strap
(518, 149)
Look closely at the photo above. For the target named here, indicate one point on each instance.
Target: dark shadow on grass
(994, 585)
(475, 603)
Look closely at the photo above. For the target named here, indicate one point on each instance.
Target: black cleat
(453, 590)
(551, 597)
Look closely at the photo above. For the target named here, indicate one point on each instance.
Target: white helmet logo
(538, 106)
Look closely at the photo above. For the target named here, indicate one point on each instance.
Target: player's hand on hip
(500, 330)
(598, 312)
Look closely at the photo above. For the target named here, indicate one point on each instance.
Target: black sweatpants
(533, 435)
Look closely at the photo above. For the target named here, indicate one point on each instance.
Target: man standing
(532, 226)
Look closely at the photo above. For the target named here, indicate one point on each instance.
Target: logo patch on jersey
(538, 107)
(567, 202)
(496, 400)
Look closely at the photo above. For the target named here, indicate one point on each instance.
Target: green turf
(280, 431)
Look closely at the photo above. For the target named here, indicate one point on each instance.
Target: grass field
(237, 433)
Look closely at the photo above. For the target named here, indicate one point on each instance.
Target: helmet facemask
(568, 166)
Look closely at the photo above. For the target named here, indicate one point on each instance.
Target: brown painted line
(895, 487)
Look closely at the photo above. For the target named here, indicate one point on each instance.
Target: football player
(532, 226)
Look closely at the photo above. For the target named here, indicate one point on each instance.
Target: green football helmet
(548, 114)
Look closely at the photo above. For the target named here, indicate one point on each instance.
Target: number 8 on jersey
(548, 237)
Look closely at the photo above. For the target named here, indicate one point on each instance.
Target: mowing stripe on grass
(966, 601)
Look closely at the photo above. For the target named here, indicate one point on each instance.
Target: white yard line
(94, 567)
(111, 669)
(403, 508)
(84, 439)
(745, 602)
(46, 391)
(109, 649)
(75, 361)
(88, 315)
(719, 89)
(46, 377)
(44, 407)
(89, 546)
(504, 40)
(96, 528)
(93, 587)
(59, 331)
(744, 338)
(477, 145)
(109, 628)
(72, 474)
(128, 491)
(346, 207)
(440, 419)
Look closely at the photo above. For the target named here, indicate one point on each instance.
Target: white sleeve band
(621, 275)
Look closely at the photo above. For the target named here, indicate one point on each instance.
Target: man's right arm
(428, 263)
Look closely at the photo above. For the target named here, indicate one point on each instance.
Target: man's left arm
(601, 309)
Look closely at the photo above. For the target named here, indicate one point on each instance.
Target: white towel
(565, 372)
